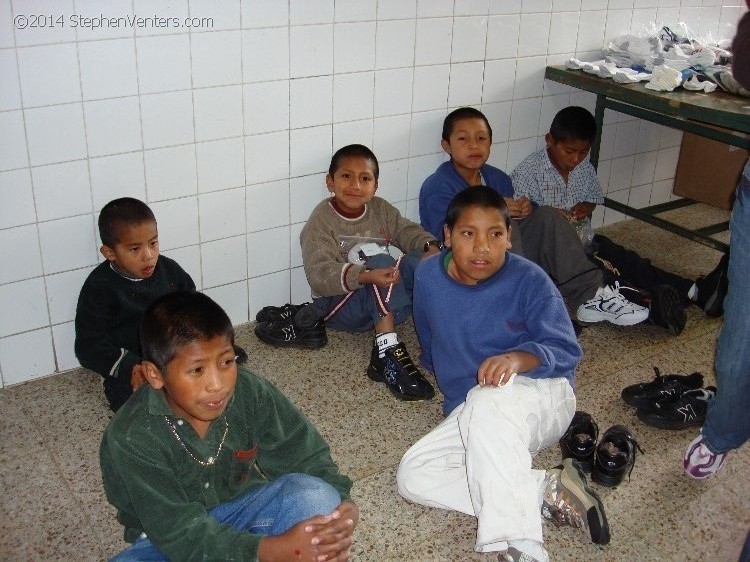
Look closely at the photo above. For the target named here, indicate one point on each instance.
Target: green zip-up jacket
(159, 489)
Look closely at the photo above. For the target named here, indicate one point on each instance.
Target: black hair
(462, 113)
(476, 196)
(573, 123)
(120, 212)
(176, 319)
(356, 150)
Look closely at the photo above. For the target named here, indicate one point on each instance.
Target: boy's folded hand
(382, 277)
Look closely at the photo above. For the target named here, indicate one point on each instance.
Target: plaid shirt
(538, 179)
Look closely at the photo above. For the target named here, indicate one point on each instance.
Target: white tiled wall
(226, 130)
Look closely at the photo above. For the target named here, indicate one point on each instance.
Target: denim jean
(271, 510)
(363, 309)
(727, 424)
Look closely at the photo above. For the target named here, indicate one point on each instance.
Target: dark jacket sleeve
(741, 52)
(94, 348)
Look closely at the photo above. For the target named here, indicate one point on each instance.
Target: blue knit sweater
(439, 189)
(517, 309)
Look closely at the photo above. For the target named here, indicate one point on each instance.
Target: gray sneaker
(515, 555)
(569, 501)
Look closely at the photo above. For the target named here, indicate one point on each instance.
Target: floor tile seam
(54, 458)
(641, 359)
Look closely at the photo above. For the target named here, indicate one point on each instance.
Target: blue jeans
(727, 424)
(271, 509)
(364, 308)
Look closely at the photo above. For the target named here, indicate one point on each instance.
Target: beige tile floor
(52, 506)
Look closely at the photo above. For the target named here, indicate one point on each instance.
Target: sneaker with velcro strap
(610, 305)
(397, 370)
(660, 387)
(305, 329)
(680, 411)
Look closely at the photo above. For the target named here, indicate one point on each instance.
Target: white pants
(478, 460)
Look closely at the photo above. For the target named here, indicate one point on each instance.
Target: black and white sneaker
(608, 304)
(400, 375)
(305, 329)
(662, 386)
(271, 313)
(712, 288)
(678, 412)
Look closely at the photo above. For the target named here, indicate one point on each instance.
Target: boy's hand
(137, 376)
(500, 369)
(318, 539)
(524, 207)
(380, 277)
(518, 208)
(582, 210)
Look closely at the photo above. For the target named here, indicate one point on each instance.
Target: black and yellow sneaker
(400, 375)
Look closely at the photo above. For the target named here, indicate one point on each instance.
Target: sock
(693, 292)
(384, 341)
(532, 548)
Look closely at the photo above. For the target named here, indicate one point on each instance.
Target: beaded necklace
(211, 460)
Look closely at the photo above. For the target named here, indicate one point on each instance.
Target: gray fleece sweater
(326, 265)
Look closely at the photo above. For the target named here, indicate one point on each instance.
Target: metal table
(695, 112)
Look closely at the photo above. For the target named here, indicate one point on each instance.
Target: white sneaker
(608, 304)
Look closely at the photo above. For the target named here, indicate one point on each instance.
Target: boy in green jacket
(211, 462)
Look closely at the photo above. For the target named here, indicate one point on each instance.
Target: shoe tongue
(582, 438)
(612, 449)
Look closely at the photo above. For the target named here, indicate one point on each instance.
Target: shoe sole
(668, 304)
(573, 478)
(374, 376)
(300, 344)
(593, 316)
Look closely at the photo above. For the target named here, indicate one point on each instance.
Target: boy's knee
(380, 261)
(311, 494)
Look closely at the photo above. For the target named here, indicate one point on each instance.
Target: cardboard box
(708, 171)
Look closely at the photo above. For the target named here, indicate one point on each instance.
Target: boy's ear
(447, 236)
(153, 375)
(446, 146)
(549, 139)
(329, 182)
(107, 252)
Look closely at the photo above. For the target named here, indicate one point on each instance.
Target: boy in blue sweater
(506, 367)
(539, 234)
